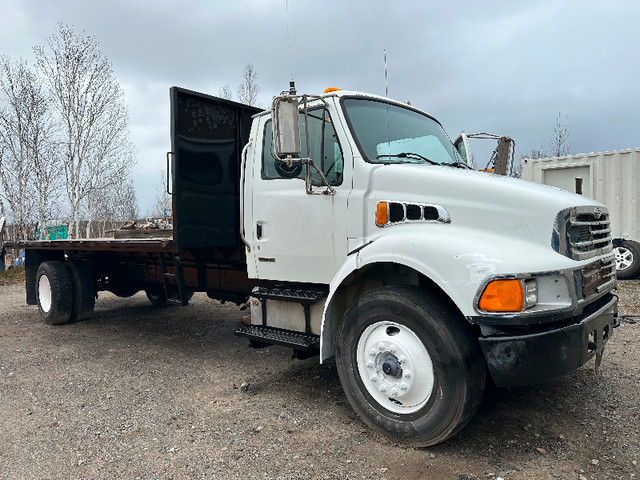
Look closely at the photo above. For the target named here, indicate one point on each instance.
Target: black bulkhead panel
(207, 136)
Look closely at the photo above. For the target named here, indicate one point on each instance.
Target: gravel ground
(144, 392)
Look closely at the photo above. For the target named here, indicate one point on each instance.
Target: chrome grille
(582, 232)
(598, 277)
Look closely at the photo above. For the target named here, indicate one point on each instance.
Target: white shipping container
(612, 178)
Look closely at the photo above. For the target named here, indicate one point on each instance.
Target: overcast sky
(506, 67)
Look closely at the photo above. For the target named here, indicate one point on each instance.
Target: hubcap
(624, 258)
(44, 294)
(395, 367)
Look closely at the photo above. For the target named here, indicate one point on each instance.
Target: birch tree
(97, 152)
(561, 143)
(163, 205)
(248, 90)
(225, 92)
(28, 162)
(112, 205)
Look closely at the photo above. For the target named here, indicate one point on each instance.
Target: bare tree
(112, 206)
(248, 90)
(26, 171)
(225, 92)
(561, 143)
(163, 205)
(535, 153)
(89, 99)
(126, 203)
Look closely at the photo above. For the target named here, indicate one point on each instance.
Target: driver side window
(324, 149)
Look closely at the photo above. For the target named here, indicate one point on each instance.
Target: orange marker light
(332, 89)
(382, 214)
(502, 296)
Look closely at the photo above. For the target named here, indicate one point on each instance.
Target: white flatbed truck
(360, 233)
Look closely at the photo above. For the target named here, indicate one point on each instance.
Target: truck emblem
(597, 213)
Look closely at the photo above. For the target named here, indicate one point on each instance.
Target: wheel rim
(624, 258)
(395, 367)
(44, 293)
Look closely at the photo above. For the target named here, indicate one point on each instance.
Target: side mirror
(462, 146)
(286, 126)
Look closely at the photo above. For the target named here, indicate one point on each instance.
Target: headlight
(509, 295)
(539, 292)
(530, 293)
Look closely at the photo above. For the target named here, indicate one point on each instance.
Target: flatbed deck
(99, 244)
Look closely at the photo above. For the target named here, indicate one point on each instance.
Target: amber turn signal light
(502, 296)
(382, 213)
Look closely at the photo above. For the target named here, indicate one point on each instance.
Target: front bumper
(530, 358)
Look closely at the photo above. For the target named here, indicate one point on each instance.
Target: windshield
(389, 133)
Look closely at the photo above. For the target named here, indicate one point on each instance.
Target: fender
(456, 259)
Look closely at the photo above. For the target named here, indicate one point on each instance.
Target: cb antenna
(286, 6)
(386, 82)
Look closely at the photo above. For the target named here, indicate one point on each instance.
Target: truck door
(207, 136)
(299, 237)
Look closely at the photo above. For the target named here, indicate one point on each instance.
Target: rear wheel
(627, 260)
(157, 296)
(123, 290)
(84, 290)
(409, 365)
(55, 294)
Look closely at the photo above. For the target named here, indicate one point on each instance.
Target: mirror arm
(328, 191)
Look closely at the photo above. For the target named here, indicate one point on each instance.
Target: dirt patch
(144, 392)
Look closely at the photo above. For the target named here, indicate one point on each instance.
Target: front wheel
(627, 260)
(409, 365)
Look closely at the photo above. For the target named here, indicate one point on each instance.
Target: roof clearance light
(382, 213)
(502, 296)
(332, 89)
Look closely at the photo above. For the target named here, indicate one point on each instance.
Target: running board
(278, 336)
(303, 296)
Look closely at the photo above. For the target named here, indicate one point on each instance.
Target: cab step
(278, 336)
(304, 296)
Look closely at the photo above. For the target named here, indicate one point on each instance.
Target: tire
(54, 292)
(123, 290)
(627, 260)
(409, 365)
(84, 290)
(157, 296)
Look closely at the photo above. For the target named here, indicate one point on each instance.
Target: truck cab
(399, 238)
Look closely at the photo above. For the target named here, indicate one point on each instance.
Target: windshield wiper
(415, 156)
(459, 165)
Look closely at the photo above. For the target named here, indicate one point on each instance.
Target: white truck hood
(478, 200)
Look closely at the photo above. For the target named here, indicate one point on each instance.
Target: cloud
(505, 67)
